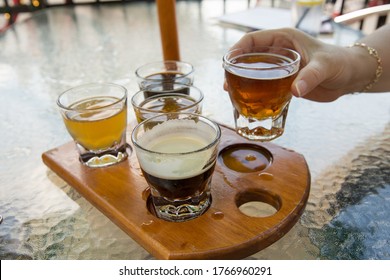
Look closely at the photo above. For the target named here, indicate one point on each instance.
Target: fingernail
(301, 87)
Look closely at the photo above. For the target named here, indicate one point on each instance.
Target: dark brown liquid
(180, 188)
(160, 82)
(260, 94)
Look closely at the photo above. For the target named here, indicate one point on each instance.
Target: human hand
(324, 74)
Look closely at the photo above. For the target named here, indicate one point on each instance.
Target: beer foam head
(177, 149)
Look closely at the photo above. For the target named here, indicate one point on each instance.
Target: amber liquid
(260, 94)
(100, 128)
(166, 104)
(245, 159)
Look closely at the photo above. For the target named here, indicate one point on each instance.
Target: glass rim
(161, 62)
(231, 64)
(208, 146)
(120, 100)
(166, 93)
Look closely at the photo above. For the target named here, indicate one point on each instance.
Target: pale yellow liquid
(100, 128)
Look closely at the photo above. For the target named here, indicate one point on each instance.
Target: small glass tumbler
(177, 155)
(95, 115)
(259, 84)
(156, 100)
(165, 73)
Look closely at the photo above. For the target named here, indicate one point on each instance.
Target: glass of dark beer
(165, 73)
(177, 155)
(155, 100)
(259, 81)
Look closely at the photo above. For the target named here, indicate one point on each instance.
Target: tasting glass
(95, 115)
(177, 155)
(156, 99)
(259, 81)
(164, 73)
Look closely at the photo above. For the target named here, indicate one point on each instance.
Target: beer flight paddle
(278, 177)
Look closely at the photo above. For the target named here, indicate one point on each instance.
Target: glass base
(260, 130)
(105, 158)
(181, 210)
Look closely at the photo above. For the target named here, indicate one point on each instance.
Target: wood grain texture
(166, 10)
(223, 232)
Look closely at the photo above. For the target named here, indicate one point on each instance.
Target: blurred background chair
(367, 19)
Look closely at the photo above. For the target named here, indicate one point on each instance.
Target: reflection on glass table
(345, 143)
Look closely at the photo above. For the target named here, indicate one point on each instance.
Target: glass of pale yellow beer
(95, 115)
(157, 99)
(258, 81)
(177, 154)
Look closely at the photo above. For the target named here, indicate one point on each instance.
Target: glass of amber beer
(95, 115)
(156, 99)
(165, 73)
(177, 154)
(258, 81)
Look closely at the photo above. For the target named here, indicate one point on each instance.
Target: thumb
(309, 77)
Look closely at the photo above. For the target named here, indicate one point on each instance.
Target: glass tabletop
(345, 143)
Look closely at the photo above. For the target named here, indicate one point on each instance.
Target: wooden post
(168, 29)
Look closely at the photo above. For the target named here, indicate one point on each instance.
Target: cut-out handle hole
(245, 158)
(258, 203)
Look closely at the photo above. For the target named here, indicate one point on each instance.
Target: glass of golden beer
(95, 115)
(177, 155)
(259, 81)
(165, 73)
(156, 99)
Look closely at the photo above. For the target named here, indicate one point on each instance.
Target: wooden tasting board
(223, 232)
